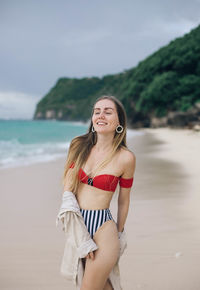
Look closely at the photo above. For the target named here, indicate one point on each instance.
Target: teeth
(100, 123)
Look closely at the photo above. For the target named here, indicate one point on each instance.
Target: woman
(102, 150)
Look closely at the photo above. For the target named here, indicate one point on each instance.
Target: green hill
(166, 81)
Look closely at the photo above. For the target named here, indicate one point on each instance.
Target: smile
(101, 123)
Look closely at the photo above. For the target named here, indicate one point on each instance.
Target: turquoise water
(24, 142)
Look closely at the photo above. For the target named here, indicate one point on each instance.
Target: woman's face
(105, 118)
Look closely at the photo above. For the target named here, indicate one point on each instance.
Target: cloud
(16, 105)
(42, 41)
(177, 28)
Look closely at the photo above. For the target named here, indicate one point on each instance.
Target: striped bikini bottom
(95, 218)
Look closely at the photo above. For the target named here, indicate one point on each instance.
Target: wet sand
(162, 226)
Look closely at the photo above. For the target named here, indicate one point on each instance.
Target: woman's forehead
(101, 104)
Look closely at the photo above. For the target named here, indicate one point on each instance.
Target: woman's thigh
(97, 270)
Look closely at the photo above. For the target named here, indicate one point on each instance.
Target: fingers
(90, 256)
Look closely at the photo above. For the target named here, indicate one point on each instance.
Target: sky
(43, 40)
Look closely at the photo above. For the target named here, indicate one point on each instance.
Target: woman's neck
(104, 143)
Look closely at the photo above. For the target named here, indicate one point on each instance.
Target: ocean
(24, 142)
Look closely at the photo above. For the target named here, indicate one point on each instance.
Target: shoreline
(28, 161)
(162, 226)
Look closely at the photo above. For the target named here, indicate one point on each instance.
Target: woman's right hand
(90, 255)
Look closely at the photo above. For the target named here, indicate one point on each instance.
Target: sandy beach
(163, 224)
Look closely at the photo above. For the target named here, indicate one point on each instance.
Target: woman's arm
(129, 163)
(67, 181)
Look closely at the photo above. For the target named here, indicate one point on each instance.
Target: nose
(102, 115)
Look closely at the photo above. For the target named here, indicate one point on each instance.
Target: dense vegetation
(168, 80)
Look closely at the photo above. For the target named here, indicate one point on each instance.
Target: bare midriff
(90, 197)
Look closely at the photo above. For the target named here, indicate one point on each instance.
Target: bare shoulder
(127, 156)
(128, 161)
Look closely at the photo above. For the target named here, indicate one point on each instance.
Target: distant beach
(162, 225)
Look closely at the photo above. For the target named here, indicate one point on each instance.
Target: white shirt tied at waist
(79, 243)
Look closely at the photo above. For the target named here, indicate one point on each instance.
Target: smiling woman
(102, 150)
(105, 115)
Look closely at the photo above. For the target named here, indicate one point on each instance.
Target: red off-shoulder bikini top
(104, 181)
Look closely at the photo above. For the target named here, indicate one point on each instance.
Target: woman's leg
(97, 270)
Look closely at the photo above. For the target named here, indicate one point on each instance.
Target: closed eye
(107, 113)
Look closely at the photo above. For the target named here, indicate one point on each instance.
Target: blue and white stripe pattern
(94, 218)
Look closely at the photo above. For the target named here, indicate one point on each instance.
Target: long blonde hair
(81, 146)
